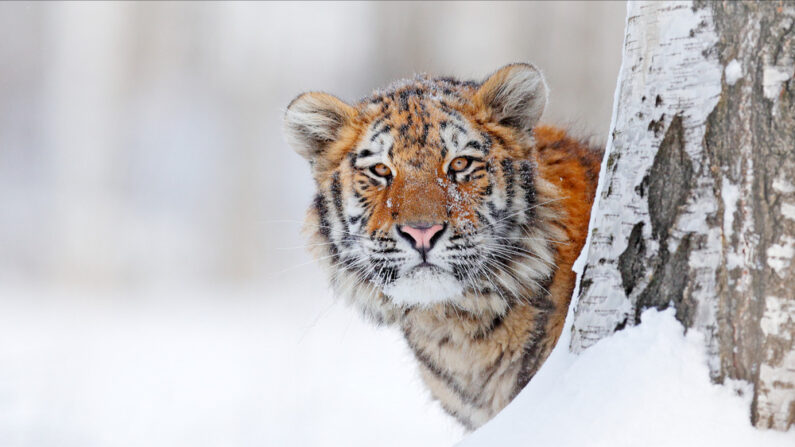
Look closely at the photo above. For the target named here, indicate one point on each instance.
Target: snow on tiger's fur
(444, 209)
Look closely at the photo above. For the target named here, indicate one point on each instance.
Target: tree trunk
(697, 203)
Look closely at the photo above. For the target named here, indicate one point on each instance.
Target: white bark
(690, 212)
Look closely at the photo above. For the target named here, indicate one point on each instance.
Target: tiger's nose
(422, 236)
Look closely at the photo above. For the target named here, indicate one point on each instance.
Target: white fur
(423, 287)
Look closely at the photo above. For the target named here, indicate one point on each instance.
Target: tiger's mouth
(426, 265)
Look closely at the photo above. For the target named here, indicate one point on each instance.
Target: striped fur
(483, 318)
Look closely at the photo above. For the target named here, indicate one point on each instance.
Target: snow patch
(646, 385)
(279, 363)
(779, 256)
(733, 72)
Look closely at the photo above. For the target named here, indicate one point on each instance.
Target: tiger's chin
(424, 286)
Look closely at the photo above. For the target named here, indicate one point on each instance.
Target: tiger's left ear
(515, 95)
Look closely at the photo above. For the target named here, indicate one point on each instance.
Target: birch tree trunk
(697, 204)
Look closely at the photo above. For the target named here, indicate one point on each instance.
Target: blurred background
(153, 287)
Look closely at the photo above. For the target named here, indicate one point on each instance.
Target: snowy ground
(281, 364)
(276, 365)
(644, 386)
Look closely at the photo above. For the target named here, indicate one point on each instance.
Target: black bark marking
(670, 180)
(668, 283)
(657, 126)
(631, 263)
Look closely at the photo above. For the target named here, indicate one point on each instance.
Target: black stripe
(476, 145)
(424, 136)
(536, 348)
(384, 129)
(486, 142)
(527, 182)
(442, 375)
(487, 330)
(492, 369)
(324, 227)
(508, 173)
(336, 194)
(404, 100)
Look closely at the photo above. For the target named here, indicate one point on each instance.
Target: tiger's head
(427, 192)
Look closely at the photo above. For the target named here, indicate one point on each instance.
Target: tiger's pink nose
(423, 236)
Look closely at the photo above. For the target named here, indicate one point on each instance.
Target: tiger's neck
(474, 364)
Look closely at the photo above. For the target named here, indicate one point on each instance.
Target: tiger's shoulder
(572, 166)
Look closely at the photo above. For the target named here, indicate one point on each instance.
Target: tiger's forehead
(417, 125)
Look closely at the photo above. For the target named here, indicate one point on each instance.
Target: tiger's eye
(381, 170)
(459, 164)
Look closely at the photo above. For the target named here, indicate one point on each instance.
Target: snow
(278, 364)
(733, 72)
(646, 385)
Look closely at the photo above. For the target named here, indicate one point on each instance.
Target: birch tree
(697, 204)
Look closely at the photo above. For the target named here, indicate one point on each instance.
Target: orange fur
(525, 197)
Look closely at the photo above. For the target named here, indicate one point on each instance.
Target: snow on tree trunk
(697, 205)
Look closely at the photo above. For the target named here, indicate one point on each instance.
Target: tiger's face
(427, 193)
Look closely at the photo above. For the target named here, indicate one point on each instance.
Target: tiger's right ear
(313, 121)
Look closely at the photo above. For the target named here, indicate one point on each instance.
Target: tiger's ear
(515, 96)
(313, 121)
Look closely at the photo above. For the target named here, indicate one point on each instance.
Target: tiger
(444, 209)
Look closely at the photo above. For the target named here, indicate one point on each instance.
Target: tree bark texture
(697, 203)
